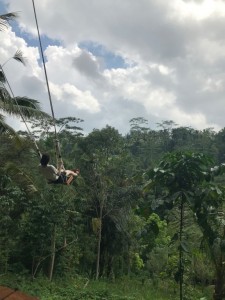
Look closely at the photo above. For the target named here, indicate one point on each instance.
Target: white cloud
(174, 50)
(70, 95)
(199, 9)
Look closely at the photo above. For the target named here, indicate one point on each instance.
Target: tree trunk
(219, 285)
(99, 244)
(181, 267)
(52, 258)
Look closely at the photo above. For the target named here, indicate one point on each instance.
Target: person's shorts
(62, 179)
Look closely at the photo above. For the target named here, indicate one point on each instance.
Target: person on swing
(52, 174)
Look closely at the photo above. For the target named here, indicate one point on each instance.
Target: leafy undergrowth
(83, 289)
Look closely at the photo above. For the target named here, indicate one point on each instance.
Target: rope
(60, 164)
(20, 112)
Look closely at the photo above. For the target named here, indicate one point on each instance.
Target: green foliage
(12, 207)
(81, 288)
(137, 262)
(201, 268)
(180, 171)
(139, 230)
(184, 178)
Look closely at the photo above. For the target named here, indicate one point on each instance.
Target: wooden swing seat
(69, 180)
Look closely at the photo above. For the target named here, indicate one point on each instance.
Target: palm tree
(5, 18)
(23, 107)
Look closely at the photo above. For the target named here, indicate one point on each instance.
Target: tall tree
(182, 179)
(105, 165)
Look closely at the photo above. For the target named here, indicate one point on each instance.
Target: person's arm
(54, 170)
(73, 173)
(60, 166)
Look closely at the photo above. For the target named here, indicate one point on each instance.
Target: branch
(44, 258)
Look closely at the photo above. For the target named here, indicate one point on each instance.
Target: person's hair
(44, 159)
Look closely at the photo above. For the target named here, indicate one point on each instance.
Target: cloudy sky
(110, 60)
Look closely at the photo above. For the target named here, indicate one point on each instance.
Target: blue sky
(111, 60)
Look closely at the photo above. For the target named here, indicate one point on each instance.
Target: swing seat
(69, 180)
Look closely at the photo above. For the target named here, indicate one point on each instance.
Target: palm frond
(21, 106)
(18, 56)
(27, 102)
(6, 101)
(2, 77)
(6, 129)
(21, 178)
(30, 108)
(6, 18)
(4, 94)
(8, 132)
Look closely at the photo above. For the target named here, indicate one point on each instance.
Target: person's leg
(62, 179)
(70, 172)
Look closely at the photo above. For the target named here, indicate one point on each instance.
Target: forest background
(111, 223)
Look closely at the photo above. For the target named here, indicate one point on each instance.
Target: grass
(80, 288)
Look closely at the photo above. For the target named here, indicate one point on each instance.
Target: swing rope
(21, 114)
(57, 145)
